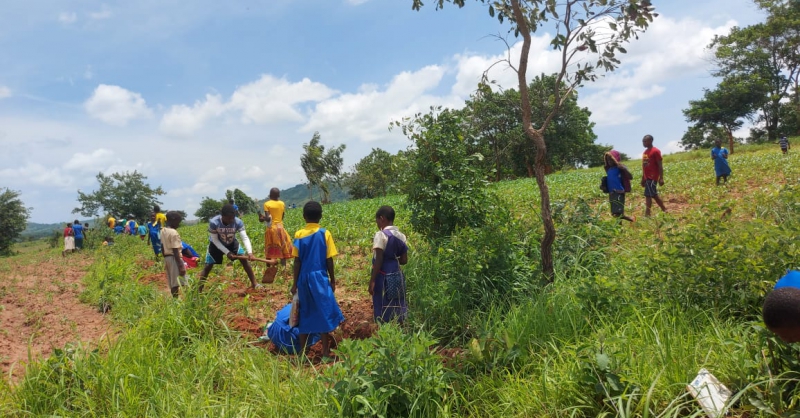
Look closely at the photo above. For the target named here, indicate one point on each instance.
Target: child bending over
(222, 230)
(314, 279)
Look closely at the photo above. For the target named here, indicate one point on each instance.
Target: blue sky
(205, 96)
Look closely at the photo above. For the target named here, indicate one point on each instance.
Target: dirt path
(39, 308)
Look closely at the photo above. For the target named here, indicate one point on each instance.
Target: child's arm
(295, 274)
(331, 275)
(403, 259)
(377, 264)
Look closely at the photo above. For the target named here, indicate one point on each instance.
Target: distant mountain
(299, 195)
(36, 231)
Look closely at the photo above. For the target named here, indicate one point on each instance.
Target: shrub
(392, 374)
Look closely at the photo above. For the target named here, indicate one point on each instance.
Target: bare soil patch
(40, 310)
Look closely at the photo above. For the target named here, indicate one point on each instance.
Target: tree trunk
(537, 137)
(730, 139)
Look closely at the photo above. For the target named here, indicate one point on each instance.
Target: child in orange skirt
(277, 243)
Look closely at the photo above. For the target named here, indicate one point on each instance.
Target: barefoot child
(276, 241)
(173, 263)
(387, 284)
(222, 230)
(314, 279)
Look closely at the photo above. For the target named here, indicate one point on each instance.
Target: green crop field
(634, 312)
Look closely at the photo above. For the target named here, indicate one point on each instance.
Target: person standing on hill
(652, 174)
(619, 183)
(784, 143)
(720, 157)
(77, 231)
(160, 217)
(277, 243)
(69, 241)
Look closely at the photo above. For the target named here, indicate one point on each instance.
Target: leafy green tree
(447, 187)
(13, 219)
(322, 167)
(589, 34)
(209, 208)
(122, 194)
(245, 203)
(767, 54)
(375, 175)
(702, 136)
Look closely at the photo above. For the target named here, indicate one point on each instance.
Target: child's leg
(249, 270)
(302, 339)
(326, 344)
(174, 291)
(202, 277)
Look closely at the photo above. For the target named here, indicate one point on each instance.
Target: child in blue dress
(720, 157)
(314, 279)
(387, 284)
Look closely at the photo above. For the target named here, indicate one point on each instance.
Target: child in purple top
(390, 251)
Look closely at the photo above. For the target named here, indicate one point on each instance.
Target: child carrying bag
(604, 184)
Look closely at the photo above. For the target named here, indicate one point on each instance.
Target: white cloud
(366, 115)
(88, 73)
(198, 189)
(4, 92)
(67, 17)
(671, 49)
(117, 106)
(272, 99)
(267, 100)
(94, 162)
(35, 174)
(104, 13)
(183, 120)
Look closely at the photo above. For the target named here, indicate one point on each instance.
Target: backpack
(626, 178)
(604, 184)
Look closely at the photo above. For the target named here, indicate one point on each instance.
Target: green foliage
(721, 111)
(393, 374)
(446, 187)
(377, 174)
(764, 54)
(322, 167)
(121, 194)
(209, 208)
(494, 128)
(13, 219)
(245, 203)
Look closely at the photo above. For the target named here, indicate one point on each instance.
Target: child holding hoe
(314, 280)
(173, 263)
(222, 230)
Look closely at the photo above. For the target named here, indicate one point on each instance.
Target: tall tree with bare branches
(590, 34)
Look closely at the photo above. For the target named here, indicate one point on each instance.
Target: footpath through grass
(634, 312)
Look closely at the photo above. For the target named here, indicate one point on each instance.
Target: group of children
(74, 235)
(313, 272)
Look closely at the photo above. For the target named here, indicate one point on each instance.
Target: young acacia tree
(590, 35)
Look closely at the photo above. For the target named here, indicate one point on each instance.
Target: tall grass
(634, 313)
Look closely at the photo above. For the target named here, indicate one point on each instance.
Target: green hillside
(634, 312)
(299, 195)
